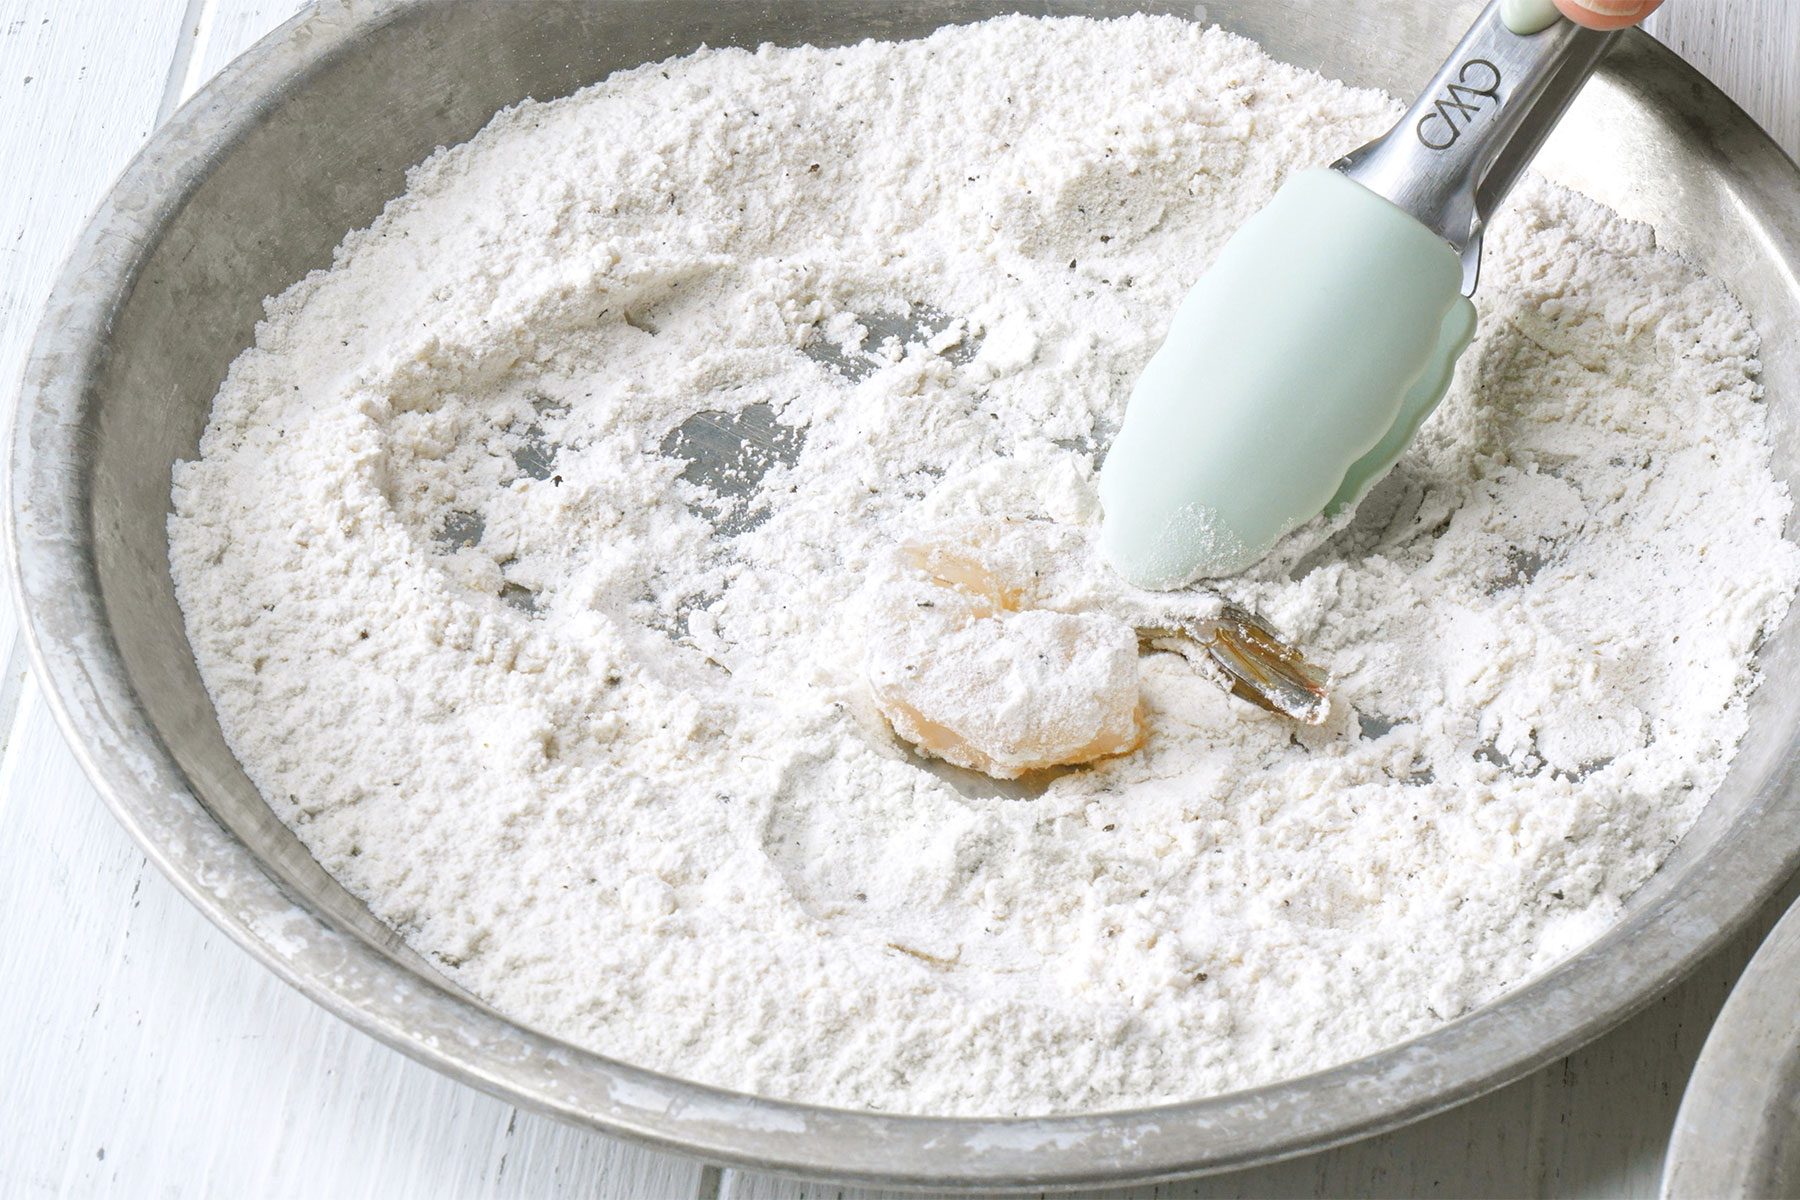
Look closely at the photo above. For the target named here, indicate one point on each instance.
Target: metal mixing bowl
(304, 139)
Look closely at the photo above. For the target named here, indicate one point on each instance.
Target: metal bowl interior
(305, 138)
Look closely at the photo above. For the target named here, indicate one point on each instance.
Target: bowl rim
(1732, 1132)
(82, 675)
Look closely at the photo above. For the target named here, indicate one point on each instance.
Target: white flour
(653, 815)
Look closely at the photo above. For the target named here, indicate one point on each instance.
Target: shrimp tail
(1240, 651)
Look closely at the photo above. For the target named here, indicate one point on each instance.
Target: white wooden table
(142, 1054)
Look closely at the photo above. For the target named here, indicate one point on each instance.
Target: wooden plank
(80, 82)
(744, 1185)
(70, 879)
(12, 667)
(229, 28)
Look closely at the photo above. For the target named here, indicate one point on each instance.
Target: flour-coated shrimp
(1003, 646)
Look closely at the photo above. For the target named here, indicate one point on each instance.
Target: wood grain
(147, 1055)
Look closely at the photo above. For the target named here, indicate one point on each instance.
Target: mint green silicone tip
(1526, 17)
(1292, 378)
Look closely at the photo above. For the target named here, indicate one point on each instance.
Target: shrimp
(971, 661)
(1002, 646)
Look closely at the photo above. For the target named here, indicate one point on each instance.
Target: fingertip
(1607, 14)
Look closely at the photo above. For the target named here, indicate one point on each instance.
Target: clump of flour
(579, 710)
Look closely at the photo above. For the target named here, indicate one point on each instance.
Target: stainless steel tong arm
(1464, 142)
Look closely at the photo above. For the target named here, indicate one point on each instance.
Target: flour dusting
(573, 698)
